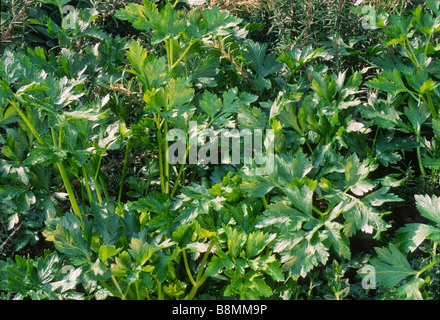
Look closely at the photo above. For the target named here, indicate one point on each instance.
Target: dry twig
(15, 20)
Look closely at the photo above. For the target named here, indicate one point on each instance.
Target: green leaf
(218, 23)
(417, 114)
(390, 82)
(410, 290)
(298, 57)
(122, 264)
(301, 198)
(211, 104)
(356, 175)
(217, 263)
(141, 252)
(236, 240)
(142, 17)
(257, 186)
(391, 266)
(302, 257)
(360, 214)
(70, 244)
(260, 62)
(166, 24)
(325, 87)
(262, 288)
(411, 236)
(429, 207)
(257, 241)
(251, 117)
(106, 251)
(48, 268)
(176, 93)
(338, 240)
(274, 270)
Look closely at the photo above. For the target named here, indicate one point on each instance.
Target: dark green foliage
(92, 207)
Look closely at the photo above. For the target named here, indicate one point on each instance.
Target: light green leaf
(301, 198)
(211, 104)
(274, 270)
(410, 290)
(140, 251)
(236, 240)
(391, 266)
(429, 207)
(409, 237)
(257, 241)
(390, 82)
(106, 251)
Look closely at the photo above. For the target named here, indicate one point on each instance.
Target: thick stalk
(61, 168)
(188, 271)
(263, 198)
(201, 277)
(159, 292)
(182, 56)
(104, 188)
(69, 189)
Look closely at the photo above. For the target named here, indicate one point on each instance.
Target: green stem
(159, 145)
(429, 266)
(118, 287)
(188, 271)
(159, 292)
(69, 189)
(168, 53)
(86, 179)
(61, 168)
(171, 54)
(308, 145)
(414, 58)
(419, 153)
(318, 211)
(98, 190)
(167, 165)
(95, 181)
(205, 257)
(426, 49)
(105, 285)
(431, 106)
(179, 175)
(98, 167)
(182, 56)
(124, 168)
(263, 198)
(201, 277)
(60, 140)
(409, 55)
(26, 120)
(104, 188)
(138, 293)
(374, 141)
